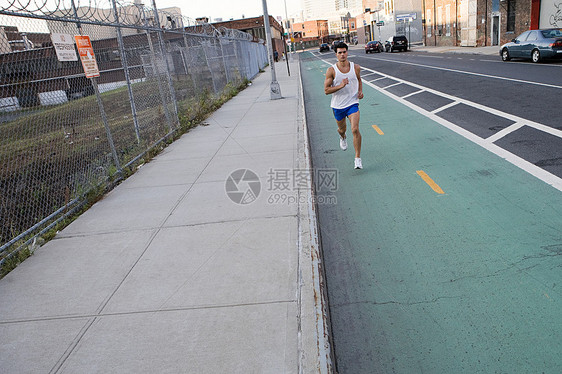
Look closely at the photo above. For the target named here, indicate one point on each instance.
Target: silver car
(535, 45)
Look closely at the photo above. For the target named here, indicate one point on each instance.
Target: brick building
(11, 40)
(255, 27)
(485, 22)
(312, 29)
(315, 32)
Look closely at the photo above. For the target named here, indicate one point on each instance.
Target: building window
(510, 15)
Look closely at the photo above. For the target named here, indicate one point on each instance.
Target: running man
(343, 82)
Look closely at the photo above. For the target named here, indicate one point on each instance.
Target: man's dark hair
(340, 45)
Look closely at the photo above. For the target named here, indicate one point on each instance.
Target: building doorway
(468, 11)
(495, 29)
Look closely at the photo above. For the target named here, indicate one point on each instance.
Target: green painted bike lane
(468, 281)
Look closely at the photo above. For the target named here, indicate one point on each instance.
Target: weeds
(192, 111)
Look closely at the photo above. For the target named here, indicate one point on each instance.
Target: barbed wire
(129, 13)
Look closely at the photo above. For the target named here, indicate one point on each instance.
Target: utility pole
(286, 51)
(275, 90)
(291, 35)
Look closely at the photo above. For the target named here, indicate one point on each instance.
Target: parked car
(396, 43)
(373, 46)
(535, 45)
(324, 47)
(336, 42)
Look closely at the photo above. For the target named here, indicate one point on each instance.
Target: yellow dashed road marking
(378, 130)
(430, 182)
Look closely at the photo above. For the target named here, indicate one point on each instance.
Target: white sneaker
(358, 164)
(343, 143)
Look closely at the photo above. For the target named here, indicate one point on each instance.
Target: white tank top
(347, 96)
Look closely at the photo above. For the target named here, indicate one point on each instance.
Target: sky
(227, 9)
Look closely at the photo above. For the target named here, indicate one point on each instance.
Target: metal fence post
(224, 60)
(100, 105)
(126, 71)
(183, 53)
(165, 56)
(106, 125)
(208, 65)
(157, 74)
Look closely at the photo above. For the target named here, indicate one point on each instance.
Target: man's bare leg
(354, 120)
(342, 127)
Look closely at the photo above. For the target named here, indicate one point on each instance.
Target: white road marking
(392, 85)
(471, 73)
(445, 107)
(508, 130)
(412, 94)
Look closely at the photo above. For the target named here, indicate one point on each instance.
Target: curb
(312, 298)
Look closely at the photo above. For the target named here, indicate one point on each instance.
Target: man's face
(341, 54)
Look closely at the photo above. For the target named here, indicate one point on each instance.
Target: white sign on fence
(64, 46)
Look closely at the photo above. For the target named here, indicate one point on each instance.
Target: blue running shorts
(342, 113)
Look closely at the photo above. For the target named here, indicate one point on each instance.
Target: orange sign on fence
(87, 56)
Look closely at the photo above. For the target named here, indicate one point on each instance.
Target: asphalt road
(518, 94)
(518, 87)
(443, 255)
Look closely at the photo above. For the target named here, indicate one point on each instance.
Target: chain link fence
(62, 134)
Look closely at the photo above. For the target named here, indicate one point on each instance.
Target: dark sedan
(373, 46)
(324, 47)
(535, 45)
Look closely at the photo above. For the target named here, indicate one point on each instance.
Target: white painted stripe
(377, 79)
(445, 107)
(392, 85)
(471, 73)
(413, 93)
(508, 130)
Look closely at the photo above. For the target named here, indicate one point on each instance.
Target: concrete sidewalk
(168, 274)
(489, 50)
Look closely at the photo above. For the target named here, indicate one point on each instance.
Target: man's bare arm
(330, 75)
(358, 74)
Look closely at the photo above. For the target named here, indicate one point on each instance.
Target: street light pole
(275, 90)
